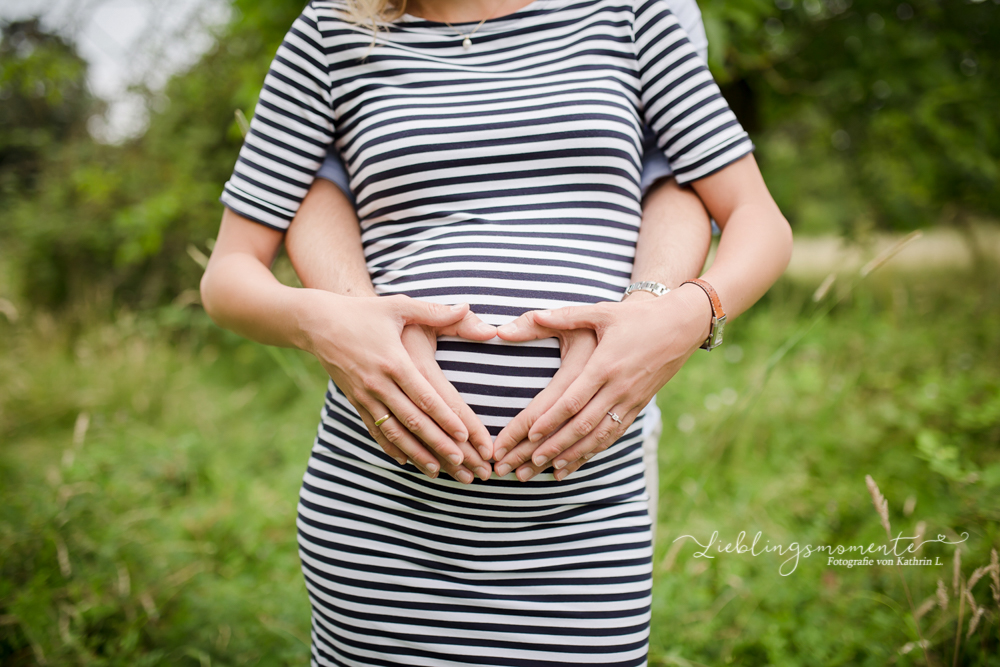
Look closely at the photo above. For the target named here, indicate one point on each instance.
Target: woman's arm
(643, 343)
(356, 339)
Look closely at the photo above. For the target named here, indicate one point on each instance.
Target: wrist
(308, 311)
(697, 309)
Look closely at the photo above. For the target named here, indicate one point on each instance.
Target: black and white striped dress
(505, 176)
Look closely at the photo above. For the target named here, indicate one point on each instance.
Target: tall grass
(149, 470)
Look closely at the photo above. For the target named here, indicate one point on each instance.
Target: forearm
(674, 237)
(240, 293)
(324, 243)
(756, 241)
(753, 251)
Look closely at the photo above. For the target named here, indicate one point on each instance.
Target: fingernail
(503, 469)
(587, 457)
(457, 307)
(526, 474)
(559, 465)
(484, 473)
(459, 436)
(509, 329)
(464, 476)
(401, 460)
(560, 475)
(543, 313)
(535, 437)
(456, 459)
(485, 452)
(499, 454)
(433, 467)
(486, 328)
(539, 460)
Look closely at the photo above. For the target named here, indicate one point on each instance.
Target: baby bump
(498, 379)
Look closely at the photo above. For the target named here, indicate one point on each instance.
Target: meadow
(150, 464)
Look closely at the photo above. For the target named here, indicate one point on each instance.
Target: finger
(574, 317)
(469, 327)
(576, 397)
(431, 406)
(467, 472)
(528, 470)
(517, 456)
(414, 311)
(481, 444)
(587, 448)
(403, 442)
(525, 328)
(593, 417)
(575, 357)
(389, 448)
(409, 417)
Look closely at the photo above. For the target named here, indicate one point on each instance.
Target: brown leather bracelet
(718, 314)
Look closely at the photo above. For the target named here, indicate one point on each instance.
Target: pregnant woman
(494, 151)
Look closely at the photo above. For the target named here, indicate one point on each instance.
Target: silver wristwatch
(658, 289)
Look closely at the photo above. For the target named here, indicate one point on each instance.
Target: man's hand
(641, 343)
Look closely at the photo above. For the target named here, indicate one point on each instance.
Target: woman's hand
(380, 352)
(512, 447)
(641, 343)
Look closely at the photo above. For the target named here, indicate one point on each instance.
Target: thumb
(573, 317)
(525, 328)
(413, 311)
(469, 327)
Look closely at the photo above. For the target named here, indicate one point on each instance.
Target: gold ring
(381, 421)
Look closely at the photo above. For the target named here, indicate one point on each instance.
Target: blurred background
(150, 462)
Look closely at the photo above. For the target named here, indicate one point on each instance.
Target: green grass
(165, 533)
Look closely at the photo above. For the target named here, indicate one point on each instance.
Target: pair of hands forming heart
(615, 357)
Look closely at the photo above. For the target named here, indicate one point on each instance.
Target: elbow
(208, 301)
(787, 241)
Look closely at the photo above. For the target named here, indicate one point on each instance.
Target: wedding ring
(615, 417)
(381, 421)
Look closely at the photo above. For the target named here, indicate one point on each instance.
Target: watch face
(718, 331)
(720, 325)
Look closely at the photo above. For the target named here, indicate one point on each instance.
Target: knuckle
(392, 433)
(573, 404)
(411, 422)
(424, 400)
(390, 367)
(371, 384)
(582, 427)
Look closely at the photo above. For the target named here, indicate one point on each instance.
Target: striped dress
(505, 176)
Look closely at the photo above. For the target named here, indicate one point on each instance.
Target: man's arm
(324, 245)
(674, 239)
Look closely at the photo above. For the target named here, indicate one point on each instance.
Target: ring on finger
(382, 420)
(613, 416)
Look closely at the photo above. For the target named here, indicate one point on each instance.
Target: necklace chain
(467, 38)
(467, 42)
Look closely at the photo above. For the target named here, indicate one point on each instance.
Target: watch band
(657, 289)
(718, 314)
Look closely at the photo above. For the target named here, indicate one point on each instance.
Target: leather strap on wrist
(718, 314)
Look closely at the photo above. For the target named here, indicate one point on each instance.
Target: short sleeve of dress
(681, 103)
(291, 130)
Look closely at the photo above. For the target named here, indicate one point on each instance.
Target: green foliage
(899, 382)
(43, 101)
(159, 528)
(149, 481)
(892, 104)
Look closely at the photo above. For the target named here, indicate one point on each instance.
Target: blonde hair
(375, 12)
